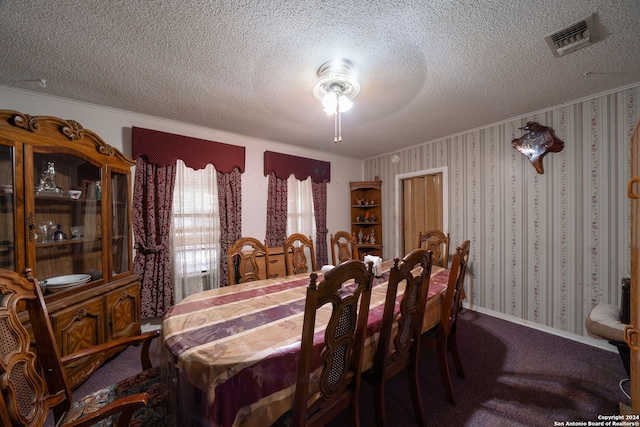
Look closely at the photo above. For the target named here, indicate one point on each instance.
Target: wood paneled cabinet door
(123, 312)
(80, 326)
(76, 328)
(65, 211)
(632, 332)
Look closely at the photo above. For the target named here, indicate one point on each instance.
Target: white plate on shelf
(70, 279)
(55, 289)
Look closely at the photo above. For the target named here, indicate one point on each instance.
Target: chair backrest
(296, 249)
(344, 246)
(27, 399)
(412, 306)
(247, 257)
(4, 413)
(438, 243)
(347, 289)
(453, 296)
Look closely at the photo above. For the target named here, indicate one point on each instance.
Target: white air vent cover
(576, 36)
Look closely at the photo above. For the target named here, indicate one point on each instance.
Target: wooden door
(632, 333)
(422, 207)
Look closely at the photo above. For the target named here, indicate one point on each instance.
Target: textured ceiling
(427, 69)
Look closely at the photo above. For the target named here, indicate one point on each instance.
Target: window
(300, 217)
(195, 231)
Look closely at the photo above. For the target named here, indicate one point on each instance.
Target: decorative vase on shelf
(59, 235)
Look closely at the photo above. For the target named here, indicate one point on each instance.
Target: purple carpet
(515, 376)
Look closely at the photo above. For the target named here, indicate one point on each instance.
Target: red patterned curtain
(320, 214)
(162, 149)
(230, 202)
(152, 205)
(276, 211)
(279, 167)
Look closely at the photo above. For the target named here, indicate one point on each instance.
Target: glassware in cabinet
(68, 216)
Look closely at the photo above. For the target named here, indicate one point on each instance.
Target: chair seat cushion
(604, 322)
(154, 414)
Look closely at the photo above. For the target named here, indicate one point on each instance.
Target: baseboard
(594, 342)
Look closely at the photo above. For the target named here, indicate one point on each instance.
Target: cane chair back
(344, 246)
(401, 351)
(33, 384)
(444, 335)
(299, 254)
(438, 243)
(248, 260)
(347, 290)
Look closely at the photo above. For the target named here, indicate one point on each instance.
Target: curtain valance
(283, 165)
(163, 149)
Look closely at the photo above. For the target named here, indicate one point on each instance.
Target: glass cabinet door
(68, 220)
(120, 239)
(7, 209)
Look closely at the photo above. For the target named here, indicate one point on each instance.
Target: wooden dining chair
(247, 257)
(344, 246)
(296, 249)
(346, 289)
(400, 351)
(4, 413)
(438, 243)
(33, 382)
(443, 336)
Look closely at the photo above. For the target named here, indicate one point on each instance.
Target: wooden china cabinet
(65, 212)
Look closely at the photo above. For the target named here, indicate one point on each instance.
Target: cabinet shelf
(66, 242)
(66, 200)
(365, 224)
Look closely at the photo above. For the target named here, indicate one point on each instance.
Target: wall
(114, 126)
(545, 247)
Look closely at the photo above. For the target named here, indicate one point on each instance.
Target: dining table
(231, 352)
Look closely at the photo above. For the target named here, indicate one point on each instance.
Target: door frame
(399, 202)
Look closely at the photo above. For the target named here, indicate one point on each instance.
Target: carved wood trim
(70, 129)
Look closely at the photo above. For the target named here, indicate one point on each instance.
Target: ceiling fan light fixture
(335, 87)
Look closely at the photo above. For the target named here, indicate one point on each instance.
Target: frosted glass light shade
(329, 103)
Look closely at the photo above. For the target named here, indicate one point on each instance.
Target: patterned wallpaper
(545, 248)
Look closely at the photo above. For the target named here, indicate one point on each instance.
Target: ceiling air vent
(576, 36)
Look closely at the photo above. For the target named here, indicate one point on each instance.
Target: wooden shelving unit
(366, 216)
